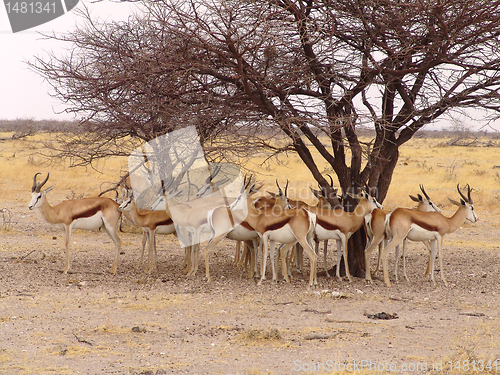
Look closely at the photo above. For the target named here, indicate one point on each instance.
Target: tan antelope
(287, 226)
(86, 213)
(191, 221)
(339, 225)
(324, 198)
(152, 223)
(231, 223)
(324, 202)
(376, 236)
(426, 226)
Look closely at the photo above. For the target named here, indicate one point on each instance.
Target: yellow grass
(422, 161)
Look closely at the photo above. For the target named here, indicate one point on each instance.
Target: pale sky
(24, 94)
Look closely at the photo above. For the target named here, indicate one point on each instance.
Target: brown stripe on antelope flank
(326, 225)
(88, 213)
(245, 225)
(166, 222)
(425, 225)
(278, 225)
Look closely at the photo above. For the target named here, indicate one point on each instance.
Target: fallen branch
(317, 312)
(476, 314)
(27, 255)
(82, 340)
(321, 336)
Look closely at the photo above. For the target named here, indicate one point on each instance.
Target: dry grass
(422, 161)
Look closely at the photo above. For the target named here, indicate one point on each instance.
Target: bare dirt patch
(91, 322)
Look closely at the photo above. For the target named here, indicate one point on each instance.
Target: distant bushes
(25, 127)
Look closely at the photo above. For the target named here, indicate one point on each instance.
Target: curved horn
(286, 187)
(279, 189)
(461, 194)
(468, 193)
(213, 173)
(423, 191)
(39, 186)
(34, 182)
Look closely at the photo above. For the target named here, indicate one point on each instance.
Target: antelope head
(36, 194)
(467, 203)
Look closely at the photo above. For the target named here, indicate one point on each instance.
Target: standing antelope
(324, 198)
(340, 225)
(375, 233)
(287, 226)
(421, 226)
(191, 220)
(151, 222)
(231, 222)
(86, 213)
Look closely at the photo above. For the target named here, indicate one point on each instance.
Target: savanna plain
(92, 322)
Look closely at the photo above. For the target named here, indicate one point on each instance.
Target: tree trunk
(357, 243)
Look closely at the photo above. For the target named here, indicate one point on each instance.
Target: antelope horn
(34, 182)
(468, 193)
(423, 191)
(166, 185)
(279, 189)
(247, 185)
(461, 194)
(43, 183)
(244, 186)
(286, 187)
(213, 174)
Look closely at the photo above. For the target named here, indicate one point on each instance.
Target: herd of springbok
(259, 222)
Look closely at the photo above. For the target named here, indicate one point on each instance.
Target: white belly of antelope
(283, 235)
(89, 223)
(418, 233)
(324, 234)
(242, 234)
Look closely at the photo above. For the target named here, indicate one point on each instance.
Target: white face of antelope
(36, 200)
(471, 215)
(126, 205)
(433, 206)
(372, 200)
(36, 192)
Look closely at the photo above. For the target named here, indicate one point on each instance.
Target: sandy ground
(91, 322)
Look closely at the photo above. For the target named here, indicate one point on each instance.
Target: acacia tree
(311, 73)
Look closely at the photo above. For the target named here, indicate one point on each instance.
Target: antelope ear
(274, 195)
(49, 189)
(455, 202)
(414, 199)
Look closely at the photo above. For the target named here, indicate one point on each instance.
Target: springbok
(286, 226)
(375, 233)
(426, 226)
(85, 213)
(152, 223)
(340, 225)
